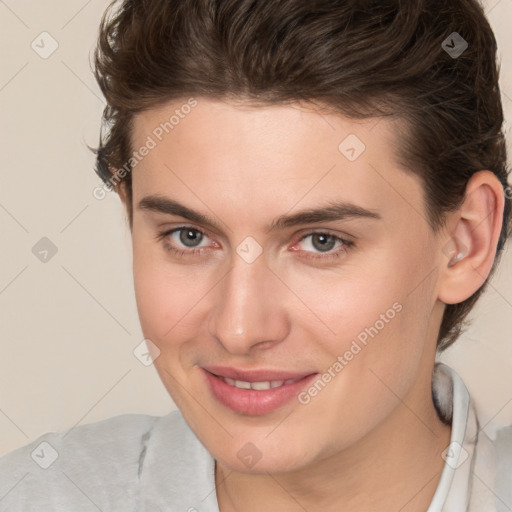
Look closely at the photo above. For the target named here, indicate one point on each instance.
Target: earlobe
(474, 233)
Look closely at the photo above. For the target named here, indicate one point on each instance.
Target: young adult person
(317, 196)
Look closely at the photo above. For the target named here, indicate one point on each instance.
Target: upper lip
(259, 375)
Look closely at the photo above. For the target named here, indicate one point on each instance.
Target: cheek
(343, 303)
(170, 297)
(376, 313)
(157, 295)
(375, 354)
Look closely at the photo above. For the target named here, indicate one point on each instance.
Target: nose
(249, 312)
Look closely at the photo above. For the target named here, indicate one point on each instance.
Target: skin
(358, 443)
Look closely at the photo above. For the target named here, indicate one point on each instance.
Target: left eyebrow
(332, 211)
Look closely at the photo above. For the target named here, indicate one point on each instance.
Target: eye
(183, 237)
(324, 243)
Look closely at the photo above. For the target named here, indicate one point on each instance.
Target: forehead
(244, 155)
(252, 126)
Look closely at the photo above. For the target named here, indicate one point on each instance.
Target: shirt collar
(454, 488)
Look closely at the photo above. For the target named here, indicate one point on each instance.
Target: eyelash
(344, 248)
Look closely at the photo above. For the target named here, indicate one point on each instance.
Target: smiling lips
(254, 392)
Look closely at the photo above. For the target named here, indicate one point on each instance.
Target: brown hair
(361, 58)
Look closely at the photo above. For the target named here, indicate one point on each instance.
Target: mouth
(254, 392)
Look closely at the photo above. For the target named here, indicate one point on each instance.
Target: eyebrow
(332, 211)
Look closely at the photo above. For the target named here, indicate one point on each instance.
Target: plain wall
(69, 325)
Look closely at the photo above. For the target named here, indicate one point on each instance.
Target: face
(237, 279)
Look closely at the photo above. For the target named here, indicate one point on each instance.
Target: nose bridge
(245, 311)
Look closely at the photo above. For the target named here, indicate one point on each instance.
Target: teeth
(242, 384)
(260, 385)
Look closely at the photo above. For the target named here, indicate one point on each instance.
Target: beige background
(69, 326)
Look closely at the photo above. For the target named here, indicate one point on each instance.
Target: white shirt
(143, 463)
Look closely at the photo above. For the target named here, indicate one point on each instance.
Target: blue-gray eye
(323, 242)
(189, 236)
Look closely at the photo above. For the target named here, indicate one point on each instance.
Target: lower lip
(252, 401)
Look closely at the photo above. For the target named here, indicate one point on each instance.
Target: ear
(474, 231)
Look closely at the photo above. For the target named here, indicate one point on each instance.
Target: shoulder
(503, 476)
(487, 447)
(492, 471)
(96, 463)
(503, 442)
